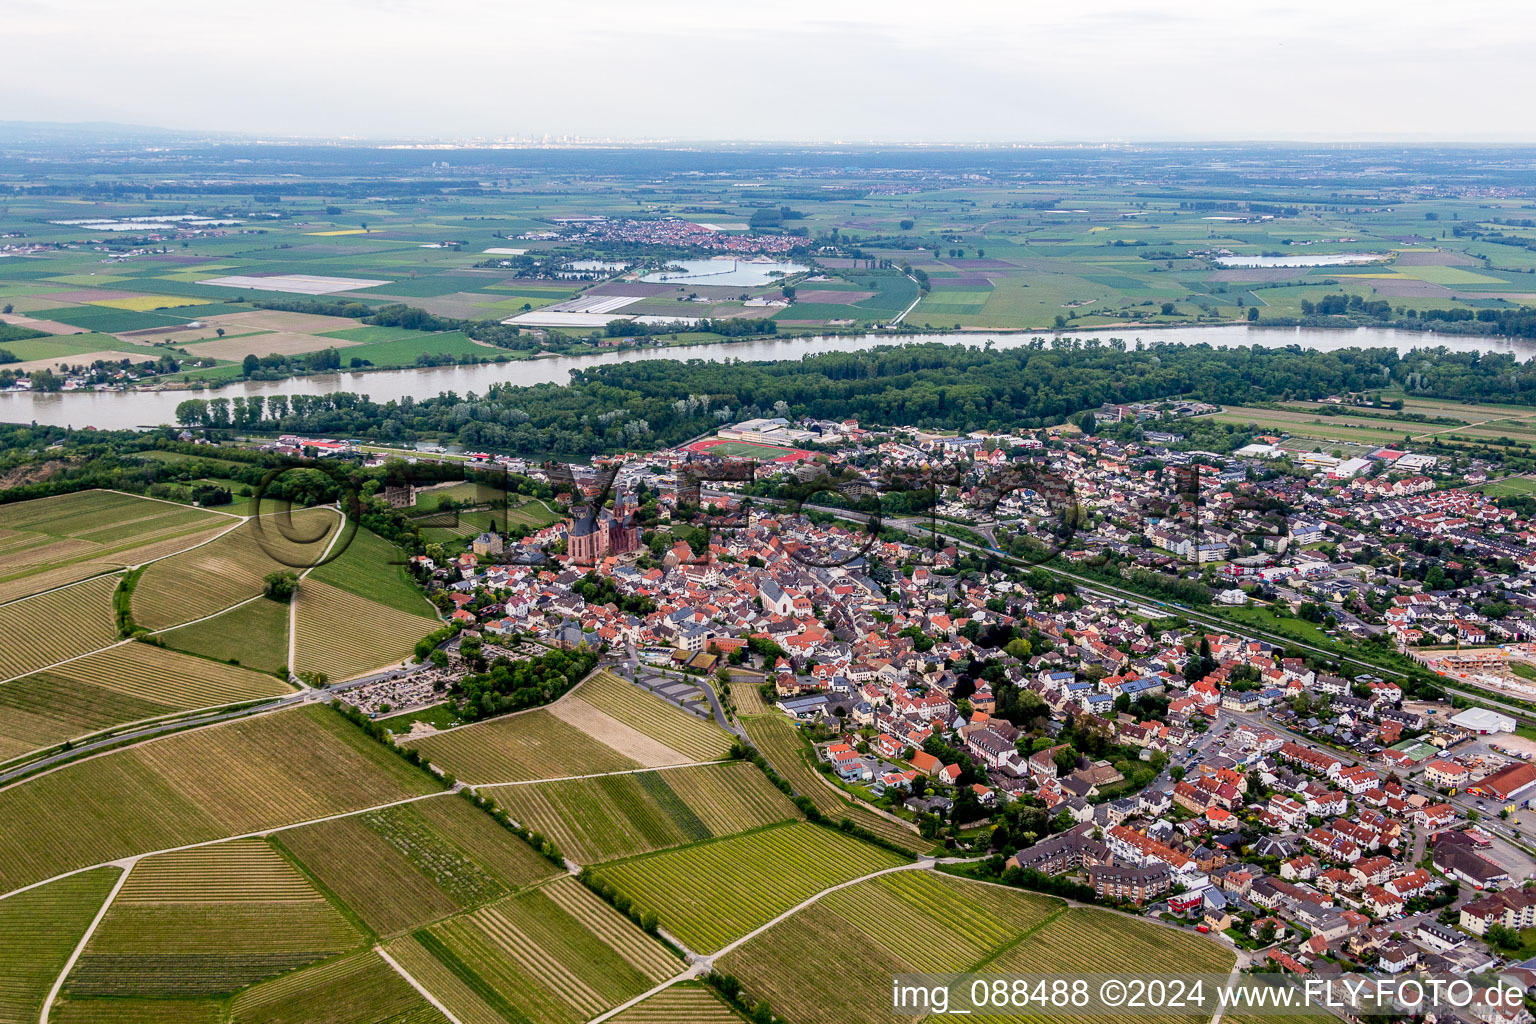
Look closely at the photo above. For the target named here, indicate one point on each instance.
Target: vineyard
(685, 733)
(360, 989)
(49, 542)
(46, 629)
(682, 1002)
(780, 743)
(864, 935)
(124, 683)
(711, 893)
(556, 953)
(1082, 940)
(343, 635)
(38, 931)
(594, 820)
(402, 867)
(229, 570)
(254, 635)
(373, 568)
(252, 773)
(207, 922)
(513, 748)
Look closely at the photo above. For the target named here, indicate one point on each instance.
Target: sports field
(710, 893)
(594, 820)
(748, 450)
(227, 780)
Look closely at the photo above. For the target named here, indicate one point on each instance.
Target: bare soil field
(610, 731)
(280, 320)
(46, 326)
(79, 359)
(275, 343)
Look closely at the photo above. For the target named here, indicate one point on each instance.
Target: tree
(279, 585)
(906, 225)
(250, 364)
(1089, 423)
(1253, 314)
(219, 331)
(1168, 309)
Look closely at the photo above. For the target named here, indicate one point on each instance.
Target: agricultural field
(39, 929)
(1084, 940)
(359, 989)
(690, 736)
(55, 626)
(124, 683)
(208, 922)
(402, 867)
(253, 635)
(226, 780)
(784, 748)
(713, 892)
(864, 934)
(343, 635)
(523, 746)
(557, 954)
(373, 568)
(594, 820)
(49, 542)
(686, 1001)
(229, 570)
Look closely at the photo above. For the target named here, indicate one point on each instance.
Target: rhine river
(118, 410)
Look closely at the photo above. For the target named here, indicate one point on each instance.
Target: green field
(125, 683)
(48, 542)
(254, 635)
(781, 743)
(712, 892)
(39, 929)
(207, 922)
(253, 773)
(555, 954)
(229, 570)
(403, 867)
(57, 625)
(373, 568)
(359, 989)
(864, 934)
(593, 820)
(343, 635)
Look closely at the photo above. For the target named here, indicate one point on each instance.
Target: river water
(119, 410)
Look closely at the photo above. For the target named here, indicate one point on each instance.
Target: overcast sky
(822, 70)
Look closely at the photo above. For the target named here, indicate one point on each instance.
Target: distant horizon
(574, 140)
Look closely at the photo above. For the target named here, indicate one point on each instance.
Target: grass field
(343, 635)
(868, 932)
(683, 732)
(593, 820)
(254, 635)
(1512, 486)
(404, 867)
(207, 922)
(359, 989)
(711, 893)
(227, 780)
(780, 742)
(38, 931)
(124, 683)
(47, 542)
(556, 954)
(229, 570)
(373, 568)
(46, 629)
(514, 748)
